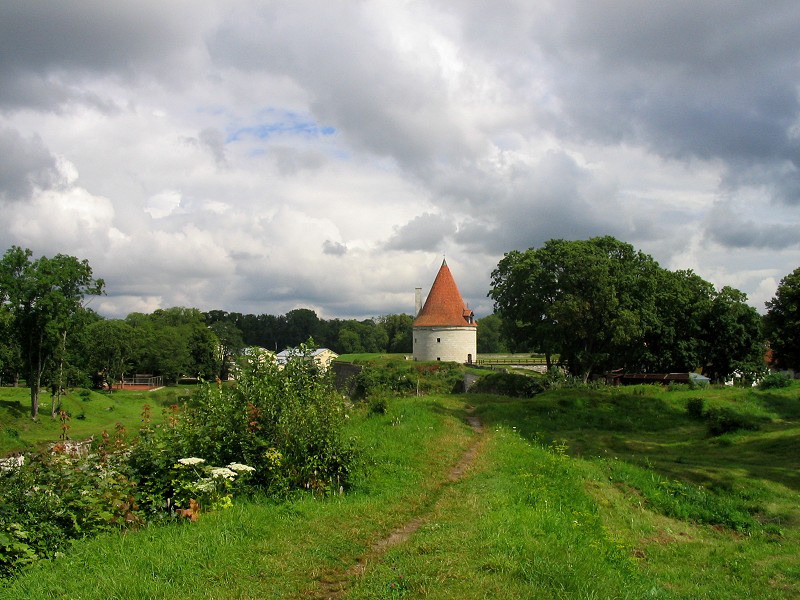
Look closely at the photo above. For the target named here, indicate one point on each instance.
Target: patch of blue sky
(278, 123)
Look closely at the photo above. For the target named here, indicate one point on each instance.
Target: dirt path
(334, 585)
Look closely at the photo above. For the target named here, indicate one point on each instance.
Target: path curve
(334, 585)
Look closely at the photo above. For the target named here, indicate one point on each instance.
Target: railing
(512, 360)
(148, 380)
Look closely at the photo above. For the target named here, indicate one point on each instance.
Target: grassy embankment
(90, 413)
(574, 494)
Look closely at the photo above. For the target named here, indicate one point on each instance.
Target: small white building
(322, 356)
(445, 328)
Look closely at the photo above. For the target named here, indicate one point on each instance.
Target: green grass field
(90, 413)
(610, 493)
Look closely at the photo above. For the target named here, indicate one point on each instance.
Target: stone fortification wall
(456, 344)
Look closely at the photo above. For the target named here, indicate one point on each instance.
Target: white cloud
(262, 157)
(163, 204)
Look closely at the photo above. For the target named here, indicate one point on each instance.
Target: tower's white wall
(456, 344)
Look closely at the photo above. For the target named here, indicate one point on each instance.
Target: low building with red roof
(445, 328)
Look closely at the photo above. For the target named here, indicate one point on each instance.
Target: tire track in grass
(334, 585)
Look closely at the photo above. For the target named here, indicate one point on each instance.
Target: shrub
(724, 420)
(379, 381)
(54, 498)
(286, 423)
(378, 405)
(775, 380)
(508, 384)
(694, 408)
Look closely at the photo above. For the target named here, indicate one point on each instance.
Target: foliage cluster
(275, 431)
(41, 307)
(514, 385)
(404, 378)
(520, 385)
(602, 305)
(720, 420)
(775, 381)
(388, 333)
(783, 322)
(285, 422)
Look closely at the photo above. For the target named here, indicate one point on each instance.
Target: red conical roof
(444, 305)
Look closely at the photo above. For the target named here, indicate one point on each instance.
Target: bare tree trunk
(36, 380)
(55, 403)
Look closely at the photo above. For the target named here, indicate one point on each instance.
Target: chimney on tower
(417, 301)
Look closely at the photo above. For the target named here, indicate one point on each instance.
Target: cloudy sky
(263, 156)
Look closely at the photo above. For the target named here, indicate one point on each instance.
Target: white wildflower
(240, 468)
(192, 460)
(206, 486)
(223, 472)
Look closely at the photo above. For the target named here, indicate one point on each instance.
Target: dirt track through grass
(335, 584)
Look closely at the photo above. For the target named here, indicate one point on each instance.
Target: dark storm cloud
(533, 202)
(48, 49)
(712, 80)
(25, 163)
(732, 230)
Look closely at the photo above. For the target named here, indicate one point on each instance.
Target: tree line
(601, 305)
(52, 339)
(596, 304)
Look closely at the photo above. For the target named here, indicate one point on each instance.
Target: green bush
(774, 381)
(57, 497)
(725, 420)
(378, 405)
(694, 408)
(508, 384)
(286, 423)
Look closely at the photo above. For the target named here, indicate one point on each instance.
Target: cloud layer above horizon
(263, 156)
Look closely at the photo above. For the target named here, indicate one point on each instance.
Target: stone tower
(445, 329)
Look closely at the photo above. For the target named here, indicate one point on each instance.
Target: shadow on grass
(651, 432)
(786, 407)
(14, 408)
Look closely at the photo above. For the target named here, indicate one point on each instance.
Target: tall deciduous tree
(109, 349)
(782, 322)
(735, 341)
(230, 344)
(398, 330)
(590, 301)
(600, 304)
(43, 297)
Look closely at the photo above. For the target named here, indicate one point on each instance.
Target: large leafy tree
(108, 347)
(230, 344)
(398, 330)
(10, 357)
(590, 301)
(678, 338)
(782, 322)
(600, 304)
(43, 297)
(735, 341)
